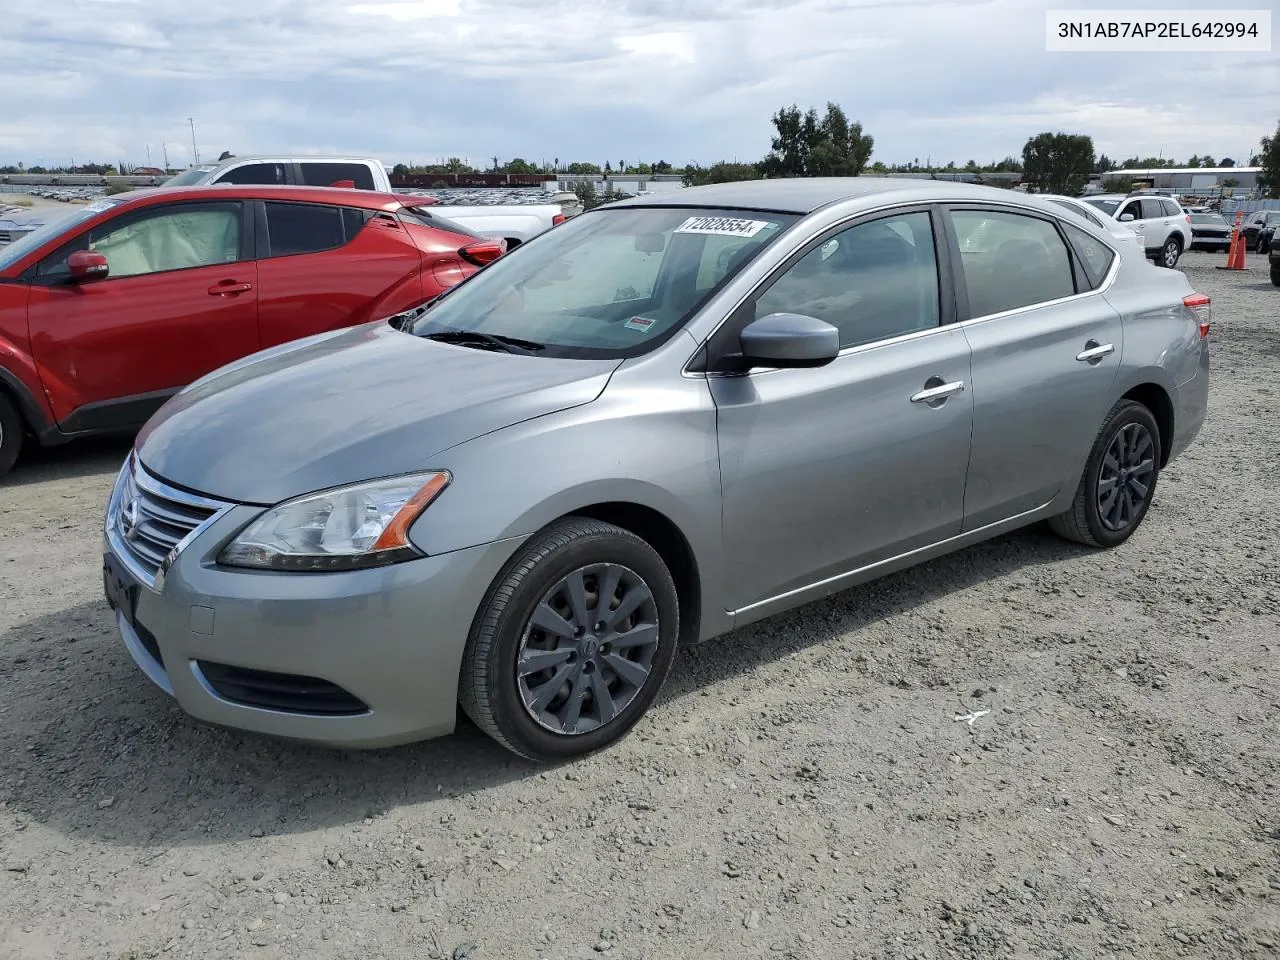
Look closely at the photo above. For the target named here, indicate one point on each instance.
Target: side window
(1011, 261)
(873, 281)
(294, 228)
(327, 174)
(1152, 208)
(1133, 208)
(169, 238)
(1093, 253)
(1080, 211)
(255, 174)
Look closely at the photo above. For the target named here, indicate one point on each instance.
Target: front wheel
(573, 642)
(1119, 480)
(1262, 244)
(10, 434)
(1275, 274)
(1170, 253)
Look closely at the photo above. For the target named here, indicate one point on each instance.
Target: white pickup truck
(515, 223)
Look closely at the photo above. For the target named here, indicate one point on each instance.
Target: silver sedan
(657, 422)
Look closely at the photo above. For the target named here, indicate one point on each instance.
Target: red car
(105, 314)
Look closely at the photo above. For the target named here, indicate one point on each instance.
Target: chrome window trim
(1000, 204)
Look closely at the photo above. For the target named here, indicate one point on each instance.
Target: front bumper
(391, 638)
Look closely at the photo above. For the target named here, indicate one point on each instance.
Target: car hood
(367, 402)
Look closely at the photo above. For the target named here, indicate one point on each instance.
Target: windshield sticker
(639, 323)
(723, 226)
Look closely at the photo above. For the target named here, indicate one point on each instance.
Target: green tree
(722, 172)
(1269, 161)
(1194, 162)
(400, 170)
(1105, 164)
(1058, 162)
(807, 146)
(519, 165)
(582, 168)
(1226, 162)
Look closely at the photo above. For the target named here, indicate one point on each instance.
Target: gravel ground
(804, 788)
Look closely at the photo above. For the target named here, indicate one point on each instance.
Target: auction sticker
(639, 323)
(723, 226)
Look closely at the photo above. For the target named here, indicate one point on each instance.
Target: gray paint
(787, 485)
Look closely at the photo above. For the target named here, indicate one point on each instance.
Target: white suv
(1161, 225)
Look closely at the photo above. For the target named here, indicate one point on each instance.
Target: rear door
(180, 300)
(324, 266)
(1046, 351)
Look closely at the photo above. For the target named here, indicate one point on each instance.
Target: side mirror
(1126, 217)
(84, 265)
(788, 340)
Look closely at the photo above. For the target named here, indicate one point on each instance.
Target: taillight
(484, 252)
(1188, 218)
(1199, 304)
(558, 219)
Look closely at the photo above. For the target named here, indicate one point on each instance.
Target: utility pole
(165, 147)
(195, 151)
(148, 154)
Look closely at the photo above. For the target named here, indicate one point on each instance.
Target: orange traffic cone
(1235, 254)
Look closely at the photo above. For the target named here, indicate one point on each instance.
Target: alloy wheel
(1171, 254)
(588, 648)
(1124, 479)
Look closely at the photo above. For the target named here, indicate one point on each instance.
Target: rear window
(332, 174)
(1106, 206)
(294, 228)
(1078, 210)
(420, 215)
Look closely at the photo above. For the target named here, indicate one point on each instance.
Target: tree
(400, 170)
(1058, 162)
(519, 165)
(1208, 161)
(1195, 162)
(1105, 164)
(1226, 162)
(806, 146)
(723, 172)
(1269, 176)
(582, 168)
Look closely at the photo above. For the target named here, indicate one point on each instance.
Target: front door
(179, 301)
(1046, 350)
(827, 470)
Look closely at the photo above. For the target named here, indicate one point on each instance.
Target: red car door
(323, 266)
(179, 301)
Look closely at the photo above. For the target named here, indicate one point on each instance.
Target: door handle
(229, 287)
(1094, 351)
(938, 390)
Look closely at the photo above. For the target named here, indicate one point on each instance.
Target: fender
(19, 376)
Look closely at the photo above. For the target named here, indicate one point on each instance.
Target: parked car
(1210, 231)
(1119, 232)
(1259, 225)
(110, 310)
(514, 223)
(1164, 228)
(1273, 258)
(645, 428)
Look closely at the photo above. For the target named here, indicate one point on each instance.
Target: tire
(525, 712)
(11, 431)
(1275, 275)
(1169, 253)
(1262, 245)
(1086, 521)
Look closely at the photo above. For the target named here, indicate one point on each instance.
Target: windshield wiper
(503, 343)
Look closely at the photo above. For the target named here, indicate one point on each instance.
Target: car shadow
(92, 456)
(87, 746)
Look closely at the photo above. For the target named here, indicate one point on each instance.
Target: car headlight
(346, 528)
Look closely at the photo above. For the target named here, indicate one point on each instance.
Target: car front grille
(147, 519)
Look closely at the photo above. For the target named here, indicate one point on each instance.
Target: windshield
(609, 284)
(1208, 218)
(13, 252)
(192, 176)
(1106, 206)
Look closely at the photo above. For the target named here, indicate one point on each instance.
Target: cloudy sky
(679, 80)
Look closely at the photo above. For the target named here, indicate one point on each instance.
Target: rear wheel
(1119, 480)
(10, 434)
(1170, 253)
(1275, 274)
(573, 643)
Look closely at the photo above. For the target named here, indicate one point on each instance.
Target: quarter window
(255, 174)
(327, 174)
(1010, 261)
(171, 238)
(1095, 255)
(876, 280)
(294, 228)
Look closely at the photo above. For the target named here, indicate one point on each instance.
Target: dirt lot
(804, 788)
